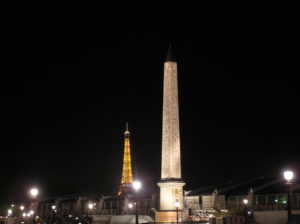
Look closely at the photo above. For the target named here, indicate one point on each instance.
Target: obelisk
(171, 184)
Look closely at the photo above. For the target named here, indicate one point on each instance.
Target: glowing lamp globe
(34, 192)
(90, 205)
(137, 185)
(288, 175)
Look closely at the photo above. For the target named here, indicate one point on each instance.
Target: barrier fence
(268, 202)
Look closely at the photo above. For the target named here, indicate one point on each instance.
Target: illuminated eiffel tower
(126, 180)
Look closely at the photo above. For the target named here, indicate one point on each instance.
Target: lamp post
(130, 206)
(90, 206)
(22, 207)
(245, 201)
(177, 206)
(9, 212)
(34, 193)
(136, 186)
(288, 176)
(53, 212)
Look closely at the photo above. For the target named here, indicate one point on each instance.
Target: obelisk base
(171, 193)
(168, 216)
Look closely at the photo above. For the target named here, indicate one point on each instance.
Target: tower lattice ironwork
(126, 180)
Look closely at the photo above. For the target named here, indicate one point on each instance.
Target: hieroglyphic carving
(171, 166)
(171, 185)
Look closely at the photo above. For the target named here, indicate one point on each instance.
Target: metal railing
(267, 202)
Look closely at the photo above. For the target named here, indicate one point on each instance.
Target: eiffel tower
(126, 180)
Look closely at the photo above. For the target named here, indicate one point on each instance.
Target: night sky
(69, 85)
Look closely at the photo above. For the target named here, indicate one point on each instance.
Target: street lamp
(288, 176)
(177, 204)
(90, 206)
(22, 207)
(136, 186)
(245, 201)
(9, 212)
(34, 192)
(53, 212)
(130, 206)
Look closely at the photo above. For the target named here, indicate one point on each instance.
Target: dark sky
(69, 84)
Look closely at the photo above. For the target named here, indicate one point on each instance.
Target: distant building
(262, 194)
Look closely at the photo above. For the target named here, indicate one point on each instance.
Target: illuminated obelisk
(171, 184)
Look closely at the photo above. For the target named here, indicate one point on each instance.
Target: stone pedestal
(170, 192)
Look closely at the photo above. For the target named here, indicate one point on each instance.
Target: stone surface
(168, 216)
(171, 184)
(170, 192)
(171, 163)
(123, 219)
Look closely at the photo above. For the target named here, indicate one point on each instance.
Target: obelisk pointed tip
(127, 133)
(170, 54)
